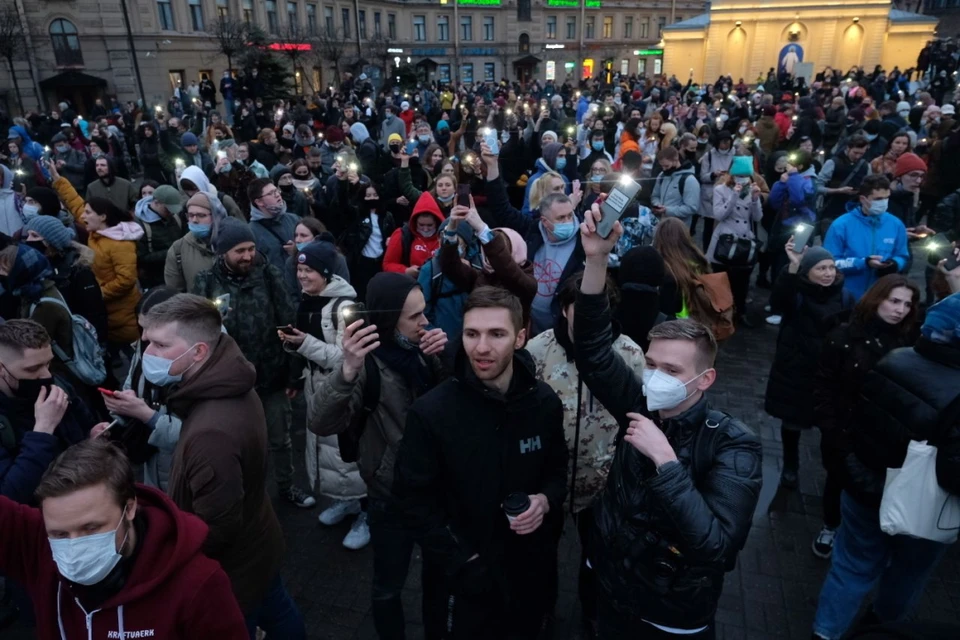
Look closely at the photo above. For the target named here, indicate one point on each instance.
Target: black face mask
(36, 244)
(395, 148)
(286, 188)
(372, 204)
(28, 389)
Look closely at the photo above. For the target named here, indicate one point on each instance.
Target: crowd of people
(430, 275)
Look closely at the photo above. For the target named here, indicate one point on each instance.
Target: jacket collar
(523, 385)
(688, 421)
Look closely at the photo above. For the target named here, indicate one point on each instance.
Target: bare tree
(13, 45)
(331, 47)
(377, 49)
(506, 55)
(297, 46)
(232, 38)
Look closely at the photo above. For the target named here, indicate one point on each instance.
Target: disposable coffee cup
(515, 504)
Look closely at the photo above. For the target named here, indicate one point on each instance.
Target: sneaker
(789, 478)
(823, 545)
(774, 320)
(340, 509)
(299, 497)
(359, 535)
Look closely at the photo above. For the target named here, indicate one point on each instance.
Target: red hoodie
(172, 592)
(421, 249)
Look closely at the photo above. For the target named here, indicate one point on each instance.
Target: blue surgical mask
(157, 370)
(597, 145)
(596, 178)
(423, 139)
(871, 136)
(302, 245)
(564, 230)
(445, 200)
(561, 163)
(30, 211)
(87, 560)
(878, 207)
(199, 231)
(505, 137)
(62, 148)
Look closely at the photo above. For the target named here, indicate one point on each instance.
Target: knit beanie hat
(550, 152)
(442, 124)
(769, 110)
(742, 166)
(47, 198)
(232, 232)
(278, 172)
(908, 162)
(811, 257)
(942, 323)
(52, 230)
(188, 140)
(319, 256)
(333, 134)
(199, 199)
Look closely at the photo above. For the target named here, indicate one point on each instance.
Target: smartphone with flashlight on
(411, 147)
(940, 248)
(623, 193)
(353, 312)
(490, 138)
(801, 236)
(222, 303)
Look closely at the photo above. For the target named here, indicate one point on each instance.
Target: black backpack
(349, 440)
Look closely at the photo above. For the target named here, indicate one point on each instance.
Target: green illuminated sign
(594, 4)
(484, 3)
(648, 52)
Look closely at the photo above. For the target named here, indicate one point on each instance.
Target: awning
(72, 79)
(527, 60)
(427, 62)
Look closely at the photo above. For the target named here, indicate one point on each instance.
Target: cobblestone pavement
(771, 593)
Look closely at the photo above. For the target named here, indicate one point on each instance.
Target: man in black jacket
(683, 487)
(911, 395)
(491, 431)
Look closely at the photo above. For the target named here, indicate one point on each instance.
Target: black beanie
(643, 266)
(319, 256)
(386, 294)
(48, 199)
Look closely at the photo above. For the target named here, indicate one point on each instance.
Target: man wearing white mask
(120, 560)
(685, 479)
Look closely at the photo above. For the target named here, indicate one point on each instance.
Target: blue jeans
(864, 555)
(277, 614)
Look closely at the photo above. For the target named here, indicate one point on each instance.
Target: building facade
(79, 49)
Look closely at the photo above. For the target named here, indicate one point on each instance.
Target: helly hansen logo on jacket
(530, 444)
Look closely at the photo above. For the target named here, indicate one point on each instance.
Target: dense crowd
(486, 330)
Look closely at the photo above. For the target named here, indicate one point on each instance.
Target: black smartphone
(463, 195)
(353, 312)
(938, 248)
(286, 330)
(613, 207)
(801, 236)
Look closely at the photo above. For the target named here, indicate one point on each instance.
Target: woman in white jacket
(318, 338)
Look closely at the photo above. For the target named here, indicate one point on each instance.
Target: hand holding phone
(615, 204)
(802, 235)
(287, 330)
(411, 147)
(490, 138)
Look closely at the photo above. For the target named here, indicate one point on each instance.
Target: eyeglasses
(270, 194)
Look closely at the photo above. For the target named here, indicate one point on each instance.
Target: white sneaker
(359, 535)
(774, 320)
(823, 545)
(340, 509)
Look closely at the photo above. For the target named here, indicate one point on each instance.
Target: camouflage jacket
(259, 303)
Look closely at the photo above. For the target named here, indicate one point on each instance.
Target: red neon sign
(288, 46)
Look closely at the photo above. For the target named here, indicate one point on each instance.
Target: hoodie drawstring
(89, 617)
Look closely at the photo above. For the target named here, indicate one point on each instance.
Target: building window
(641, 66)
(376, 24)
(466, 73)
(443, 72)
(661, 23)
(489, 71)
(551, 27)
(165, 9)
(223, 9)
(589, 28)
(292, 15)
(466, 28)
(271, 15)
(248, 16)
(362, 23)
(628, 28)
(345, 19)
(678, 19)
(608, 27)
(644, 28)
(328, 21)
(489, 31)
(392, 26)
(419, 28)
(196, 15)
(66, 43)
(312, 19)
(657, 66)
(443, 28)
(571, 28)
(624, 67)
(523, 11)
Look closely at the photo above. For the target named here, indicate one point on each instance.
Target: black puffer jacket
(849, 352)
(702, 510)
(809, 312)
(907, 396)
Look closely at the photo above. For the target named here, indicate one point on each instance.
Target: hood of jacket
(26, 279)
(6, 178)
(225, 374)
(20, 131)
(196, 175)
(359, 132)
(426, 204)
(123, 231)
(338, 288)
(143, 211)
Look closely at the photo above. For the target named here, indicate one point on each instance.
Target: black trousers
(834, 461)
(616, 625)
(739, 284)
(587, 578)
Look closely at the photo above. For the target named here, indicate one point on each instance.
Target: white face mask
(664, 391)
(89, 559)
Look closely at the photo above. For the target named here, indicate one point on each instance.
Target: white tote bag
(913, 502)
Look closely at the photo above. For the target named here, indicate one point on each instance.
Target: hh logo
(530, 444)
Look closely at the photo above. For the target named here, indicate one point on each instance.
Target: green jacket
(259, 303)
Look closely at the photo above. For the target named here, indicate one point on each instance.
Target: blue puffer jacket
(854, 237)
(444, 300)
